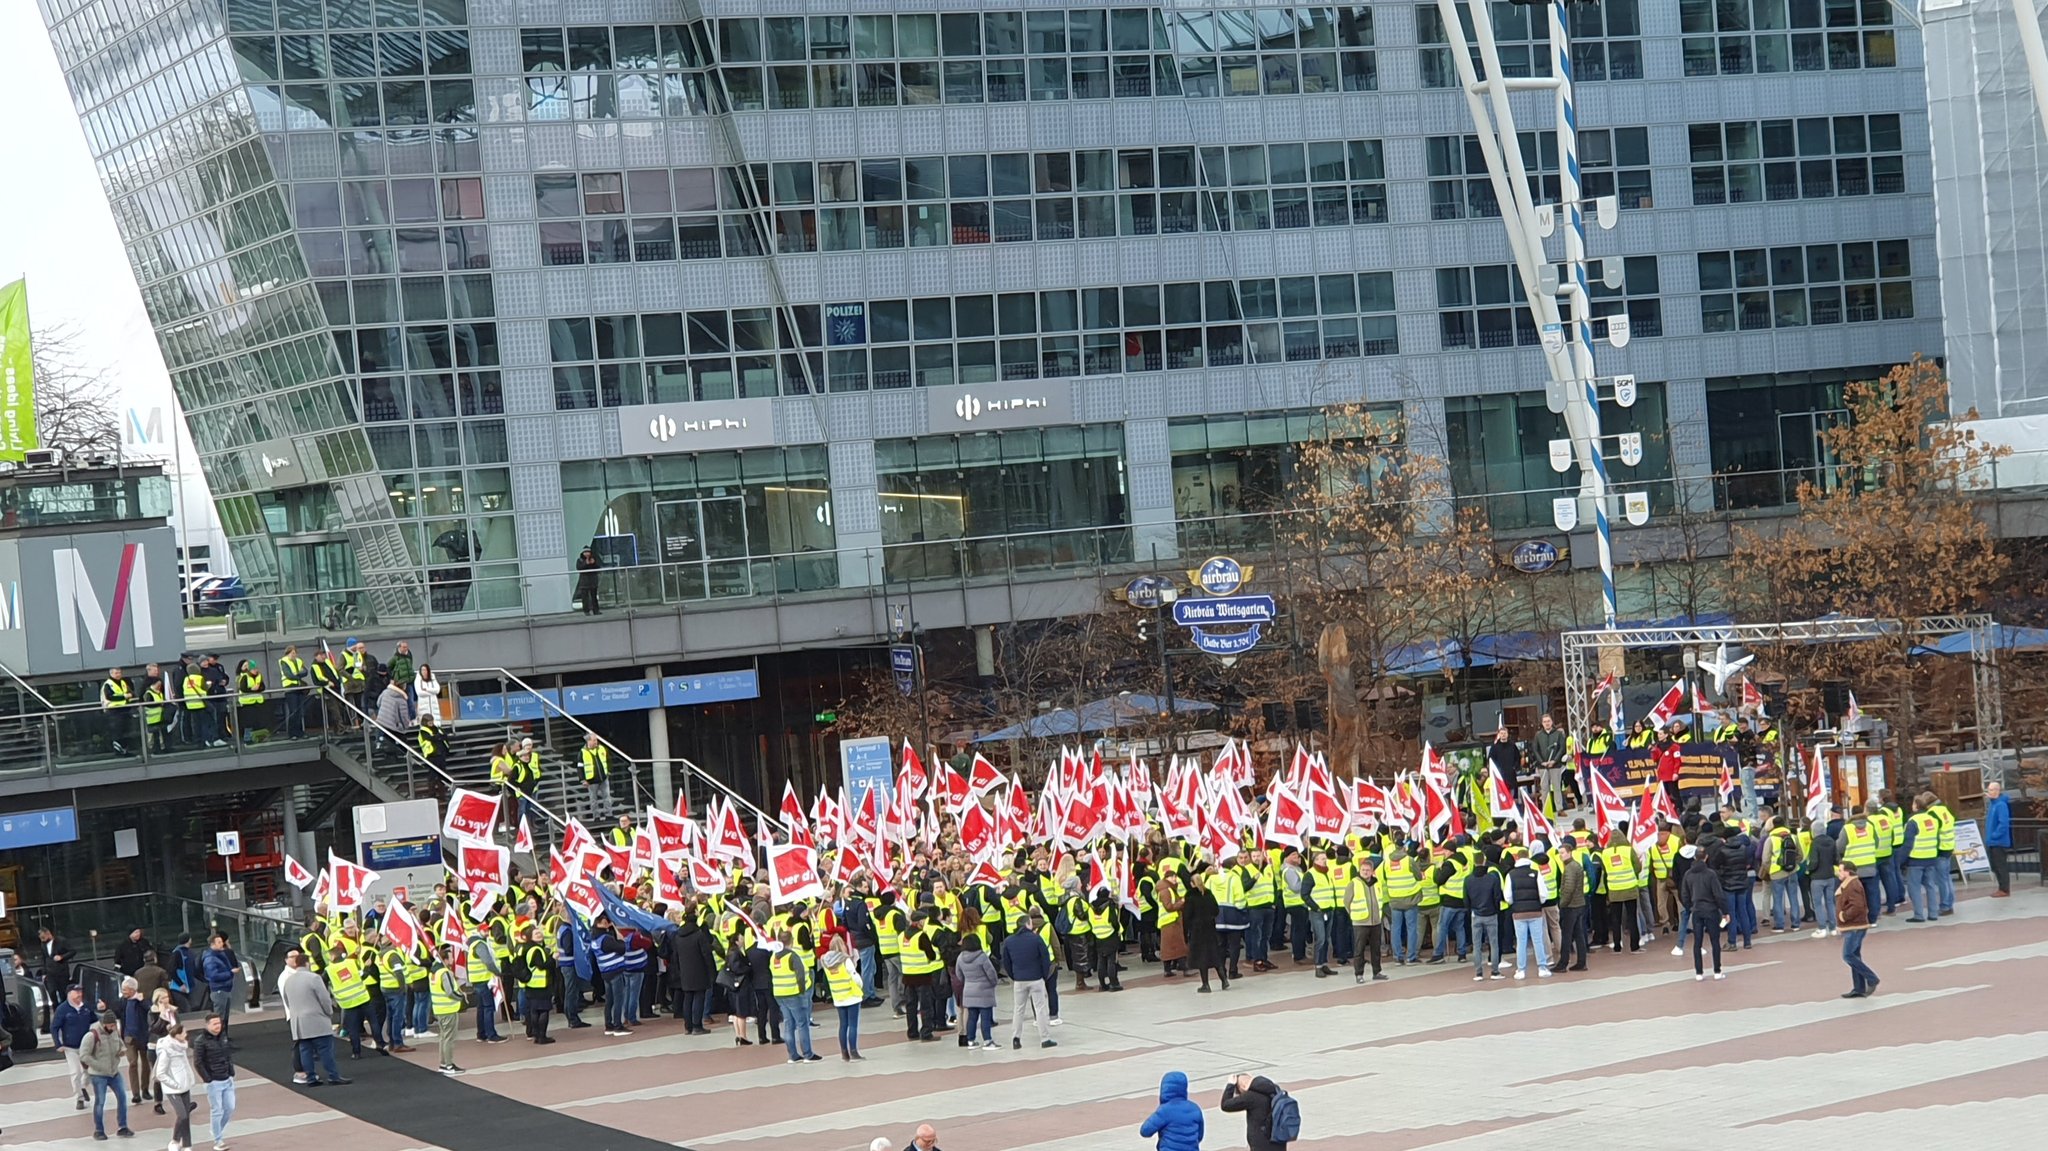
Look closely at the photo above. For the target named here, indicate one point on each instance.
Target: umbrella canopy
(1097, 715)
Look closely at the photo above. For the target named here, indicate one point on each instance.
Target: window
(1742, 37)
(1499, 452)
(1816, 157)
(1754, 289)
(1483, 307)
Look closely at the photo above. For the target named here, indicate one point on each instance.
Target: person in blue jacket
(1178, 1120)
(1998, 835)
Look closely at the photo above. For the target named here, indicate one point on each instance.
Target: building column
(856, 515)
(1692, 456)
(1148, 465)
(657, 748)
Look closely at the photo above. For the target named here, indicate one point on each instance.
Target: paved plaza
(1953, 1051)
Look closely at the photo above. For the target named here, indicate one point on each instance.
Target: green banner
(17, 375)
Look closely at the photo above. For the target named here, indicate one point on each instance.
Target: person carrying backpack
(1271, 1118)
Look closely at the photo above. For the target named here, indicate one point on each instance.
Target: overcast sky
(54, 224)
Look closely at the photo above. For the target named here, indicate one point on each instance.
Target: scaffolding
(1581, 652)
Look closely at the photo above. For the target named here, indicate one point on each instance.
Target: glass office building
(736, 292)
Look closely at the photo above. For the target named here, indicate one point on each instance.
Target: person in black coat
(690, 971)
(130, 953)
(1253, 1095)
(1700, 898)
(1198, 922)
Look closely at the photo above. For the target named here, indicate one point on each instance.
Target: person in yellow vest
(446, 994)
(1891, 864)
(293, 677)
(355, 672)
(200, 726)
(1362, 897)
(1781, 868)
(1663, 887)
(252, 711)
(1622, 871)
(1447, 871)
(841, 972)
(117, 710)
(391, 965)
(1401, 880)
(1945, 851)
(1170, 895)
(890, 923)
(156, 710)
(1259, 907)
(351, 993)
(789, 972)
(1430, 908)
(1923, 859)
(1226, 885)
(1322, 898)
(924, 967)
(596, 761)
(1105, 921)
(536, 965)
(1860, 839)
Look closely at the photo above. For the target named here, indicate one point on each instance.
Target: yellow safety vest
(787, 974)
(1362, 903)
(538, 961)
(1400, 879)
(115, 693)
(1882, 822)
(843, 980)
(1941, 812)
(1453, 887)
(1773, 848)
(291, 672)
(195, 692)
(915, 961)
(501, 770)
(1227, 888)
(1662, 852)
(888, 927)
(1258, 892)
(1322, 890)
(345, 976)
(153, 705)
(1926, 836)
(445, 1001)
(1859, 844)
(1102, 922)
(352, 666)
(596, 761)
(252, 688)
(391, 969)
(1618, 863)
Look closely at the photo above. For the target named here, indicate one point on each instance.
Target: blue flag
(627, 915)
(579, 945)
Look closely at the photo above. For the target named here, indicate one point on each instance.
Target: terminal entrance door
(703, 548)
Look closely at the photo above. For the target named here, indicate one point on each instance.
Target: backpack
(1286, 1127)
(1788, 853)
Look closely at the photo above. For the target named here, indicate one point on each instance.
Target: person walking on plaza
(310, 1008)
(1998, 835)
(790, 976)
(1362, 898)
(175, 1075)
(1253, 1095)
(214, 1058)
(1852, 911)
(1027, 960)
(99, 1053)
(69, 1025)
(1177, 1121)
(1822, 854)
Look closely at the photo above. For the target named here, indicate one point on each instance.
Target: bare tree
(77, 408)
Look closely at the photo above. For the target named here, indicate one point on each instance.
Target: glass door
(725, 546)
(682, 550)
(1802, 445)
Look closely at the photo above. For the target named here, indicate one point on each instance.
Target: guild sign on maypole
(1221, 622)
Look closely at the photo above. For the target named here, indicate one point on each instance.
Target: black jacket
(689, 957)
(213, 1057)
(1700, 892)
(128, 955)
(1822, 855)
(1525, 891)
(1257, 1105)
(1198, 925)
(1733, 862)
(1483, 891)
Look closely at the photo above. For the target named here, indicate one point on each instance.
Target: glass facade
(444, 253)
(1229, 470)
(1499, 453)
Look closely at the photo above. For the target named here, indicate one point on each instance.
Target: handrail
(412, 751)
(650, 762)
(28, 687)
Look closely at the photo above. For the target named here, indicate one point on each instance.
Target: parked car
(217, 594)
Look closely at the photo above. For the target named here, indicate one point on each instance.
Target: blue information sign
(599, 698)
(903, 661)
(864, 764)
(38, 828)
(1218, 611)
(1228, 643)
(512, 707)
(711, 687)
(412, 851)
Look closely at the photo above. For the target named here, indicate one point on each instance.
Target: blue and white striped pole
(1582, 299)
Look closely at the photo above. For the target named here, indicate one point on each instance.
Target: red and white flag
(1752, 698)
(982, 777)
(1668, 705)
(1285, 817)
(323, 890)
(672, 834)
(295, 873)
(403, 929)
(1605, 685)
(483, 867)
(1368, 804)
(707, 878)
(1819, 790)
(1609, 809)
(1536, 825)
(793, 874)
(913, 779)
(730, 839)
(977, 832)
(350, 882)
(1500, 794)
(472, 816)
(950, 787)
(523, 843)
(668, 888)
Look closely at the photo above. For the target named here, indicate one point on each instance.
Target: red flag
(453, 932)
(1284, 818)
(1668, 705)
(951, 787)
(982, 777)
(730, 842)
(403, 929)
(350, 882)
(707, 878)
(977, 831)
(1368, 803)
(472, 816)
(323, 890)
(793, 873)
(986, 872)
(482, 867)
(1608, 808)
(1499, 793)
(581, 895)
(559, 869)
(667, 887)
(1536, 825)
(1097, 877)
(913, 779)
(1751, 697)
(1605, 685)
(792, 813)
(523, 843)
(1327, 817)
(683, 804)
(1020, 808)
(295, 873)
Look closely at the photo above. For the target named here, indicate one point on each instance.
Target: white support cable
(2029, 17)
(1571, 368)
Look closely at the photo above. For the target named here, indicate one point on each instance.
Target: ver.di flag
(295, 873)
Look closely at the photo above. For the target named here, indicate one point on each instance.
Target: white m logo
(78, 601)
